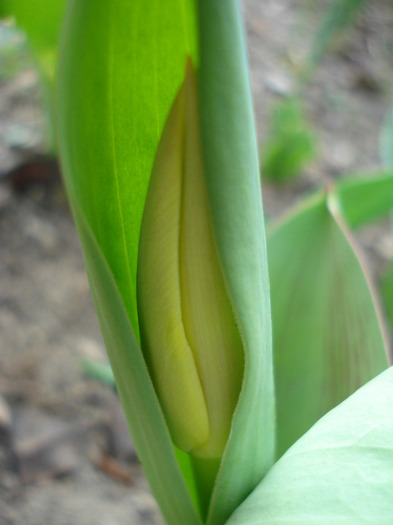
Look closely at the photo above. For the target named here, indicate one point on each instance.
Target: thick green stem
(205, 472)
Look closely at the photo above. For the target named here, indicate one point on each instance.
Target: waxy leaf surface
(340, 472)
(327, 334)
(232, 173)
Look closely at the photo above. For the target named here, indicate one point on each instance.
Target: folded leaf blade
(327, 333)
(122, 65)
(232, 173)
(142, 409)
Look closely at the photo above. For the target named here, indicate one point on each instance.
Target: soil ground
(65, 457)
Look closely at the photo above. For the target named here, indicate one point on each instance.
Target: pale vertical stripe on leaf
(232, 172)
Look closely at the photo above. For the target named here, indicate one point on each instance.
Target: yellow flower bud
(189, 336)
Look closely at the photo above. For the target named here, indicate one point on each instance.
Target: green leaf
(290, 143)
(122, 64)
(232, 171)
(327, 334)
(99, 371)
(386, 141)
(144, 416)
(339, 15)
(41, 21)
(386, 286)
(365, 199)
(340, 472)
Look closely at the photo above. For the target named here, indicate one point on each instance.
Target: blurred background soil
(65, 455)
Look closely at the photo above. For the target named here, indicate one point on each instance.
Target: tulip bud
(189, 336)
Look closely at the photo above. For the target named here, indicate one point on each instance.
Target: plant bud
(189, 336)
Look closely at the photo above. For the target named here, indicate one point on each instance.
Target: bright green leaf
(122, 64)
(41, 21)
(340, 472)
(365, 199)
(116, 85)
(327, 334)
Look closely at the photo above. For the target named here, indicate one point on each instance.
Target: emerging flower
(189, 336)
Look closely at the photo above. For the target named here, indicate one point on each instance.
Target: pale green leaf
(232, 171)
(340, 472)
(100, 371)
(327, 333)
(386, 141)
